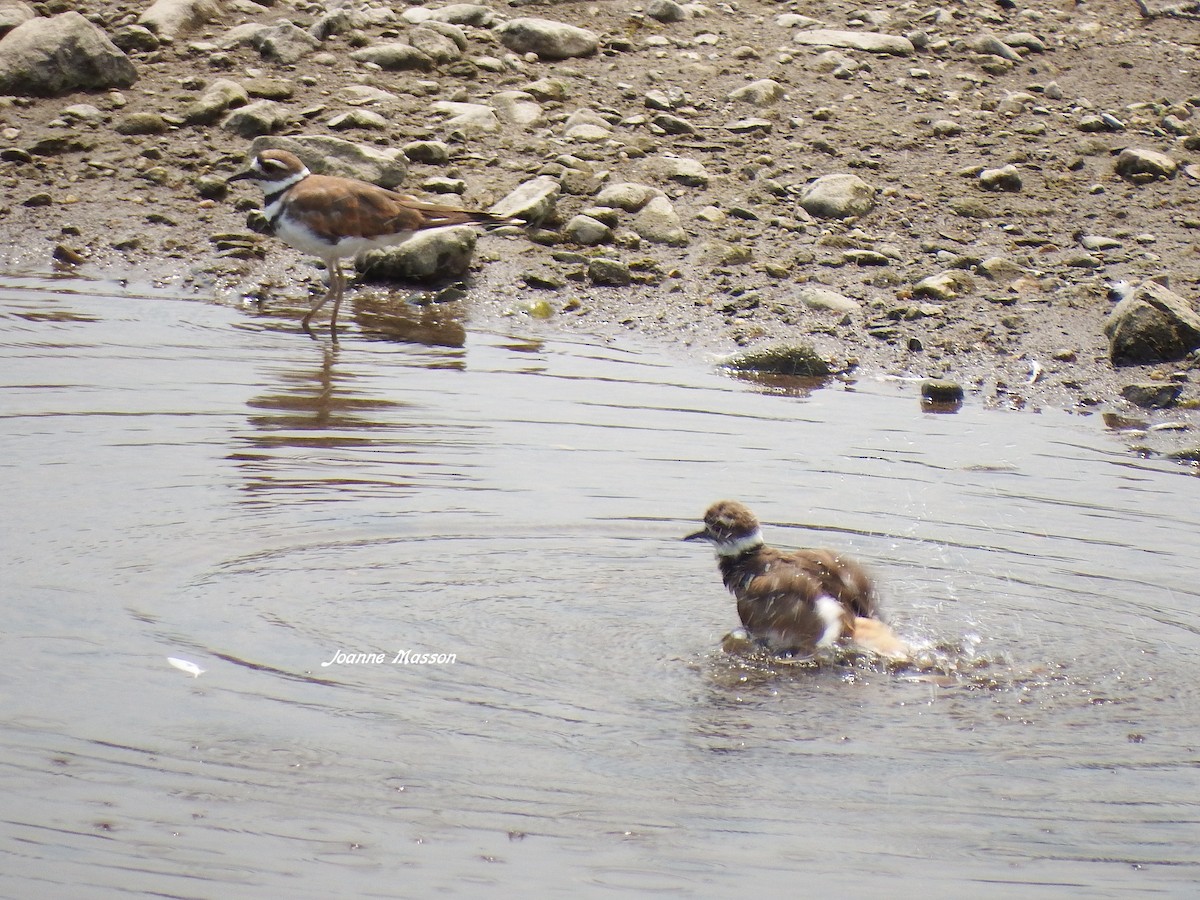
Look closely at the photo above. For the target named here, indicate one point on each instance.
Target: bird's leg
(335, 288)
(337, 301)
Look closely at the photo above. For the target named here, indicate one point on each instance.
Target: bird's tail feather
(875, 636)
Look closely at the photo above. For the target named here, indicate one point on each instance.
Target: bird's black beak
(701, 535)
(241, 176)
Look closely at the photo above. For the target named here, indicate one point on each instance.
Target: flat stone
(821, 298)
(394, 57)
(1152, 394)
(868, 41)
(533, 201)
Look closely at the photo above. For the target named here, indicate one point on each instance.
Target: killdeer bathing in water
(335, 218)
(799, 601)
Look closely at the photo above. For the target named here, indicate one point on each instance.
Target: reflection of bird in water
(336, 218)
(798, 601)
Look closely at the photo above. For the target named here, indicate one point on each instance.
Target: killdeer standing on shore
(335, 218)
(799, 601)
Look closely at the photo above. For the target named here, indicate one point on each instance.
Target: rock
(441, 48)
(50, 56)
(454, 14)
(797, 360)
(658, 222)
(220, 96)
(1151, 324)
(427, 256)
(586, 231)
(749, 126)
(1003, 179)
(136, 39)
(869, 41)
(763, 92)
(1137, 163)
(82, 112)
(548, 39)
(363, 95)
(1026, 41)
(1152, 394)
(1098, 242)
(532, 201)
(517, 107)
(435, 152)
(941, 392)
(719, 253)
(609, 272)
(284, 43)
(838, 197)
(970, 207)
(825, 299)
(944, 286)
(586, 125)
(672, 124)
(998, 268)
(141, 123)
(327, 155)
(993, 46)
(171, 18)
(688, 172)
(254, 119)
(467, 116)
(358, 118)
(14, 13)
(272, 88)
(666, 11)
(627, 195)
(394, 57)
(946, 128)
(549, 89)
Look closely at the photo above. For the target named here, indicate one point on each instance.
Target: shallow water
(192, 481)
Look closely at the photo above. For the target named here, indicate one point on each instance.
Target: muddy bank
(984, 208)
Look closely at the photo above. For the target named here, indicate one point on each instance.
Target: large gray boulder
(1151, 324)
(168, 18)
(45, 57)
(327, 155)
(547, 38)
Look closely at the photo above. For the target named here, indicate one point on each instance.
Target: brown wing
(780, 605)
(843, 579)
(339, 207)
